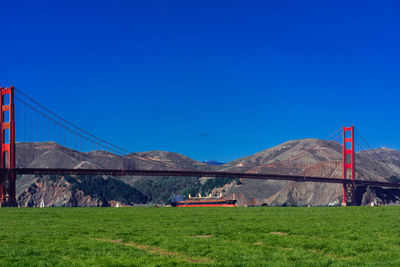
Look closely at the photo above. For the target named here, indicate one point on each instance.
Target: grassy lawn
(200, 236)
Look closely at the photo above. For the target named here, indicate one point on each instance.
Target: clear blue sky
(209, 79)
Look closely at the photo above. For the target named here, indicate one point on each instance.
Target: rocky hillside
(391, 157)
(98, 190)
(256, 192)
(130, 190)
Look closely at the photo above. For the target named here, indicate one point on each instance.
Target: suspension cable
(375, 153)
(130, 154)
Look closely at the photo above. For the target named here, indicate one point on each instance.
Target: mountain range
(132, 190)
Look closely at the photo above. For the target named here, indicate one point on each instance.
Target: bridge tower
(7, 154)
(349, 189)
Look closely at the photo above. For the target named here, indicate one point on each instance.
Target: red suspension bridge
(340, 158)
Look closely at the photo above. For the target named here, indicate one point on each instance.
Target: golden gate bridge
(339, 159)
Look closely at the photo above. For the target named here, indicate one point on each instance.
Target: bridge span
(216, 174)
(332, 160)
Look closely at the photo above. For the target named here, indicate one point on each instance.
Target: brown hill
(80, 191)
(390, 157)
(71, 191)
(298, 193)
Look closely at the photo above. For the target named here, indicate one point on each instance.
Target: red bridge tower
(349, 189)
(7, 155)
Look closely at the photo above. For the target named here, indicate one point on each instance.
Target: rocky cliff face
(376, 196)
(279, 193)
(55, 193)
(89, 191)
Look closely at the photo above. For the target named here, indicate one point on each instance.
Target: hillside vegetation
(162, 189)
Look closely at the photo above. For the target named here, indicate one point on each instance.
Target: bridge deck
(183, 173)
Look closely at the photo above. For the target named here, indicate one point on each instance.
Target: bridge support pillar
(7, 153)
(2, 190)
(349, 188)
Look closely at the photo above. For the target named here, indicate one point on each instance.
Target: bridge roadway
(183, 173)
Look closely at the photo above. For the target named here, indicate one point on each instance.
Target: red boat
(210, 201)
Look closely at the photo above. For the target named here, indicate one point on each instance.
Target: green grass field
(200, 236)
